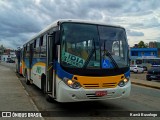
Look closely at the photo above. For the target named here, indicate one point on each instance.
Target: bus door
(18, 52)
(30, 58)
(50, 72)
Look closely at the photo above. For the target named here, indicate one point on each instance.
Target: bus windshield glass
(93, 46)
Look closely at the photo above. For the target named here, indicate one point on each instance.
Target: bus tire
(26, 79)
(149, 79)
(136, 71)
(43, 83)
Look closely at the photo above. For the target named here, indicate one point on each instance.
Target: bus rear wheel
(26, 79)
(43, 83)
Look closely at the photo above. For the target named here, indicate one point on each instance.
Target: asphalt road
(141, 99)
(141, 76)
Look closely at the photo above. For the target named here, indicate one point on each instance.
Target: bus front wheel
(49, 98)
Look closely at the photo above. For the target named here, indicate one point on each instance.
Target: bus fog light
(72, 83)
(123, 82)
(69, 82)
(76, 85)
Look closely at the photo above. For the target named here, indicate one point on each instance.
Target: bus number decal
(73, 60)
(38, 70)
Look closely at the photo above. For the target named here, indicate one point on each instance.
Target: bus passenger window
(36, 48)
(43, 46)
(27, 51)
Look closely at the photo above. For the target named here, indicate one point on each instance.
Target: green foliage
(2, 49)
(141, 44)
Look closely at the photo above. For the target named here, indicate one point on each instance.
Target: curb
(146, 85)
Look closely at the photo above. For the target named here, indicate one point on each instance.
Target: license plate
(101, 93)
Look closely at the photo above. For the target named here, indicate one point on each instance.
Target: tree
(141, 44)
(147, 45)
(2, 49)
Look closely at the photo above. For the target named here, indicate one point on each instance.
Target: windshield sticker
(73, 60)
(106, 64)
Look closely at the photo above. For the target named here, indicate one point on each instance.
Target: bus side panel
(21, 67)
(37, 69)
(25, 66)
(20, 70)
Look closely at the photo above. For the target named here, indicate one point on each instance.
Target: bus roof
(85, 21)
(56, 23)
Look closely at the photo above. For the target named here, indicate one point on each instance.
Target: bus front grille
(93, 96)
(91, 86)
(104, 85)
(109, 85)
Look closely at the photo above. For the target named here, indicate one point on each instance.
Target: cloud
(20, 19)
(17, 19)
(134, 33)
(152, 22)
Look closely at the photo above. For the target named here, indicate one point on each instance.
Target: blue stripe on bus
(34, 61)
(127, 74)
(26, 60)
(61, 73)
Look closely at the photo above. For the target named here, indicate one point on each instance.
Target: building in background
(152, 44)
(144, 55)
(144, 52)
(8, 54)
(155, 45)
(1, 51)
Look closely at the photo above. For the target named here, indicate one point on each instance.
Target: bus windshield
(93, 46)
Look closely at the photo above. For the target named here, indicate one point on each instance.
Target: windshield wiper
(90, 55)
(107, 53)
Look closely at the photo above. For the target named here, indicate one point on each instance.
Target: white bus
(74, 60)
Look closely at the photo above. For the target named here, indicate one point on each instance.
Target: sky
(20, 20)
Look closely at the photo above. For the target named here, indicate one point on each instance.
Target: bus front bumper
(67, 94)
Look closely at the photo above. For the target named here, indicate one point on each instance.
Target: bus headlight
(123, 82)
(72, 83)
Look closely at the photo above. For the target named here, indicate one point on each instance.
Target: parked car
(144, 68)
(136, 69)
(10, 61)
(153, 73)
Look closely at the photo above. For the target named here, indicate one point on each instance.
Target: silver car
(136, 69)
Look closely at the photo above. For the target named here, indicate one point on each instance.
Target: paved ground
(13, 96)
(140, 79)
(151, 84)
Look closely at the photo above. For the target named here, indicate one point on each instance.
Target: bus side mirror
(57, 37)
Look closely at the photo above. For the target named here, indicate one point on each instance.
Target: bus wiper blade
(89, 58)
(90, 55)
(110, 56)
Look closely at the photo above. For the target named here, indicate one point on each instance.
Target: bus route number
(73, 60)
